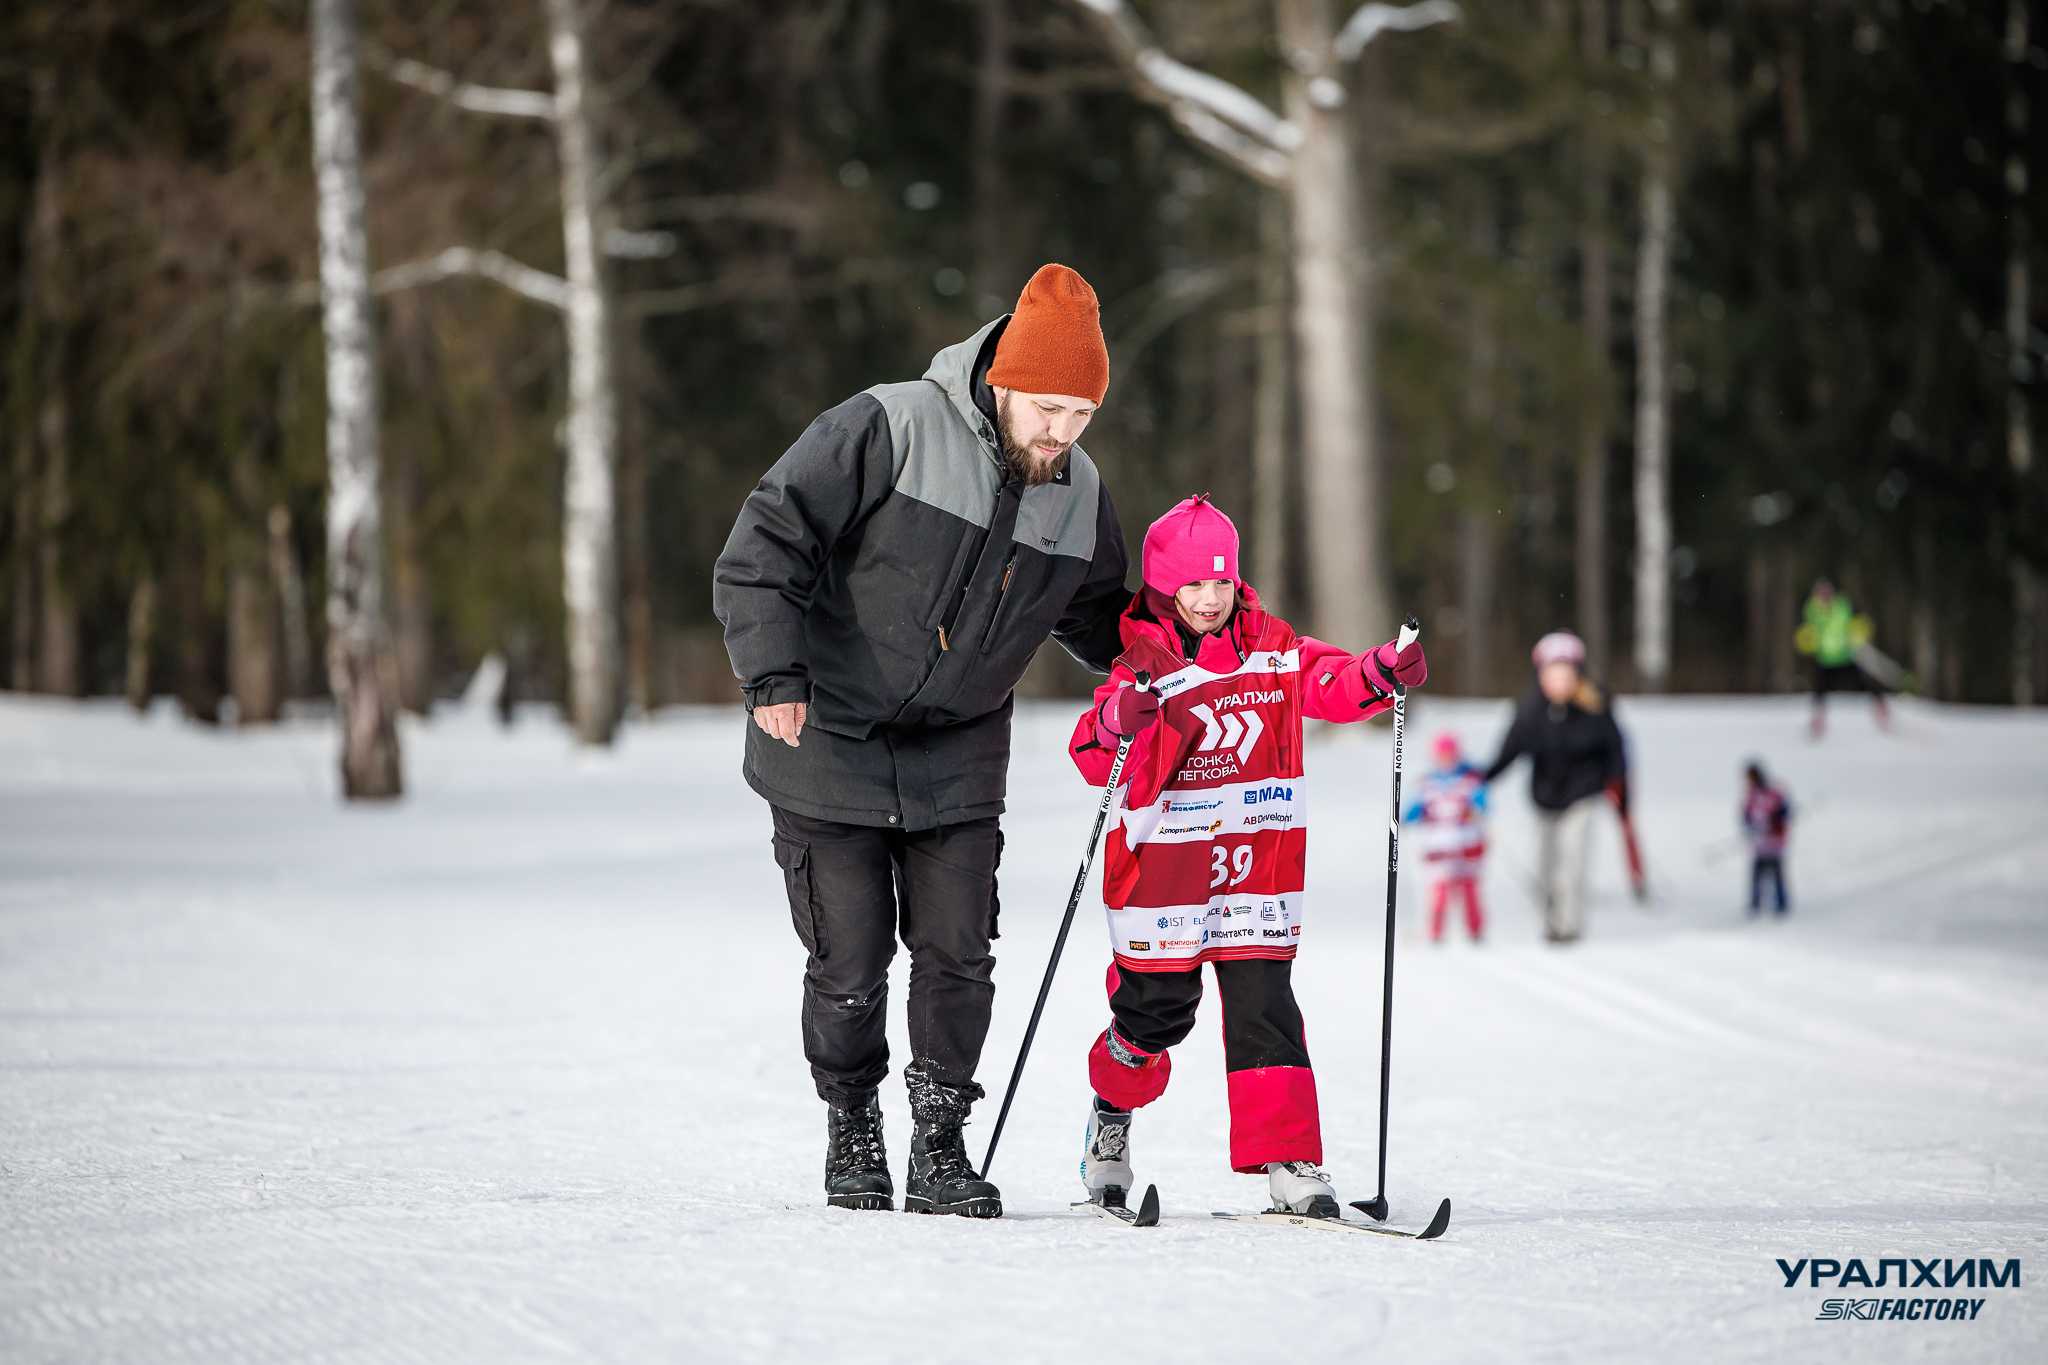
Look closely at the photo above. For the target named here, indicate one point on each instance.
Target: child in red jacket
(1204, 860)
(1450, 803)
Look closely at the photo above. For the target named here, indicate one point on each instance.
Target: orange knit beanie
(1054, 341)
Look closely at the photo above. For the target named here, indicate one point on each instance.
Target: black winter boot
(856, 1164)
(940, 1179)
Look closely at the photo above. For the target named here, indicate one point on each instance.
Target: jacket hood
(959, 369)
(1151, 617)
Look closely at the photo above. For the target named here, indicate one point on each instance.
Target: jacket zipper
(959, 594)
(959, 589)
(995, 619)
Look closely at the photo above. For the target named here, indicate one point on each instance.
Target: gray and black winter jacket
(887, 572)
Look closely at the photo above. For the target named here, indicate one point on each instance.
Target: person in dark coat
(1566, 726)
(882, 591)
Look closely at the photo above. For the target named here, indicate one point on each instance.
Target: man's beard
(1024, 463)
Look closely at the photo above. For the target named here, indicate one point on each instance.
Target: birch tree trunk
(1589, 559)
(589, 533)
(1653, 402)
(1347, 586)
(1312, 154)
(356, 645)
(2019, 435)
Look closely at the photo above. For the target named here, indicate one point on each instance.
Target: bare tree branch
(1223, 118)
(1252, 158)
(477, 99)
(487, 264)
(627, 244)
(1370, 21)
(453, 263)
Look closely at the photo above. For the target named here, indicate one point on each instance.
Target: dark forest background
(805, 199)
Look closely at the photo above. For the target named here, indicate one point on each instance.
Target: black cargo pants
(852, 889)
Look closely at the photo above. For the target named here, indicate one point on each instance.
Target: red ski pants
(1440, 893)
(1273, 1114)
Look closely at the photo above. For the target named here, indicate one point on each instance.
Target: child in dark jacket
(1566, 726)
(1766, 821)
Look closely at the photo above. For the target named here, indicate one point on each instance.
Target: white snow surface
(511, 1071)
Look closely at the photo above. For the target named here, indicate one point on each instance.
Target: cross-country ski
(1432, 1230)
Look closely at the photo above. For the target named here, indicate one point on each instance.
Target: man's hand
(783, 721)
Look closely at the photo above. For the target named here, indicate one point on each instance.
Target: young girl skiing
(1204, 861)
(1450, 801)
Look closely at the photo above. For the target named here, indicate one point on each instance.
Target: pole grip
(1410, 629)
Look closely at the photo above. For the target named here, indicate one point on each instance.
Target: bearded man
(883, 590)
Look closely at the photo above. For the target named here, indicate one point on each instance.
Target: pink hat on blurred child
(1446, 748)
(1192, 542)
(1559, 647)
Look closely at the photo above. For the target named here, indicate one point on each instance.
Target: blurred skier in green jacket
(1835, 636)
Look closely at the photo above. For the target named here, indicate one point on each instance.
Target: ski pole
(1059, 943)
(1376, 1207)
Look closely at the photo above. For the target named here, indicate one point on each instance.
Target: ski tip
(1376, 1209)
(1148, 1209)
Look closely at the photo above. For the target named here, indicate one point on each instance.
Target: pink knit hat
(1192, 542)
(1559, 647)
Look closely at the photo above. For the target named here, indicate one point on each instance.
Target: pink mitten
(1389, 666)
(1124, 713)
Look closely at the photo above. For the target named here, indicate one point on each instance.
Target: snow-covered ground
(511, 1072)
